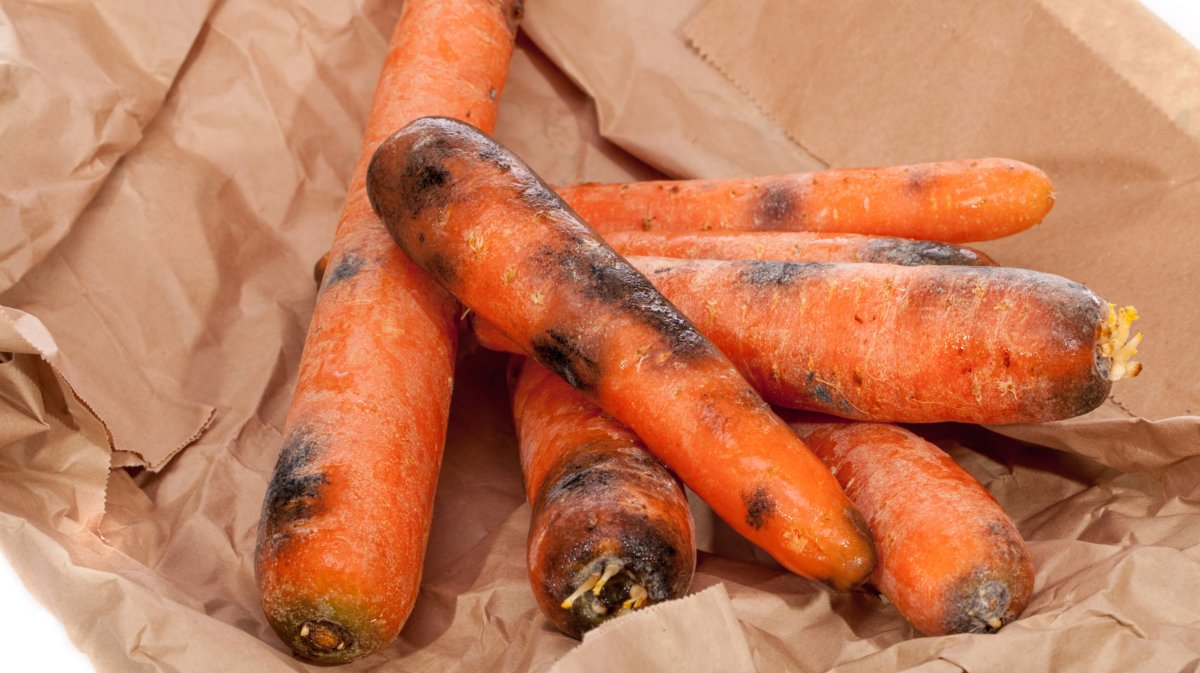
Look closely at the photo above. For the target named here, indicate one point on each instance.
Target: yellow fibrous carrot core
(1118, 345)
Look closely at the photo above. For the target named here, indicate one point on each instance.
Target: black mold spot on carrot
(975, 602)
(294, 493)
(608, 278)
(917, 253)
(535, 193)
(918, 180)
(495, 157)
(759, 508)
(440, 267)
(348, 267)
(565, 357)
(775, 273)
(775, 205)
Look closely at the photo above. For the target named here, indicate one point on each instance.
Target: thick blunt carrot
(950, 559)
(915, 344)
(788, 246)
(611, 530)
(880, 342)
(346, 515)
(474, 216)
(951, 201)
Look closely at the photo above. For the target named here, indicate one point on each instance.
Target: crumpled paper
(158, 286)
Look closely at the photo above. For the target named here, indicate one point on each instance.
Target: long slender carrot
(951, 201)
(950, 559)
(789, 246)
(346, 516)
(474, 216)
(880, 342)
(611, 530)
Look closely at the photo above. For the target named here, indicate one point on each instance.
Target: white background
(33, 640)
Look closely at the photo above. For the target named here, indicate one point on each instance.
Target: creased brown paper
(172, 305)
(931, 80)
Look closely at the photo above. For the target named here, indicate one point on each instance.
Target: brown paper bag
(161, 303)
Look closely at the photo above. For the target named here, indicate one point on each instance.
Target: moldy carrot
(950, 559)
(347, 512)
(950, 201)
(611, 530)
(477, 219)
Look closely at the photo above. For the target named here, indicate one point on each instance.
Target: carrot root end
(1117, 344)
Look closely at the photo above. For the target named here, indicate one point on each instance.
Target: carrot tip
(1117, 345)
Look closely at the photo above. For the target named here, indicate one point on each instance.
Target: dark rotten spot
(975, 604)
(609, 279)
(759, 508)
(563, 356)
(775, 206)
(348, 267)
(294, 493)
(441, 268)
(918, 180)
(917, 253)
(772, 273)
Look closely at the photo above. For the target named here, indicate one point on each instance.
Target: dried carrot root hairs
(950, 559)
(611, 530)
(950, 201)
(480, 221)
(346, 515)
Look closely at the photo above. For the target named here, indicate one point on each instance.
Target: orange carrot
(915, 344)
(788, 246)
(346, 516)
(477, 219)
(611, 530)
(951, 201)
(880, 342)
(950, 559)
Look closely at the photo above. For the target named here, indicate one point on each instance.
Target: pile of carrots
(664, 334)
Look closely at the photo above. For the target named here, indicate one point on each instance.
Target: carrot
(346, 515)
(950, 559)
(788, 246)
(477, 219)
(880, 342)
(951, 201)
(611, 530)
(916, 344)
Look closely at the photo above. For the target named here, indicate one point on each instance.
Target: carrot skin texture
(877, 342)
(789, 246)
(346, 516)
(949, 201)
(950, 559)
(599, 500)
(495, 235)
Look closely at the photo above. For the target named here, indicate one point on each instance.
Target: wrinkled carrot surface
(477, 219)
(788, 246)
(882, 342)
(950, 559)
(346, 516)
(611, 530)
(951, 201)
